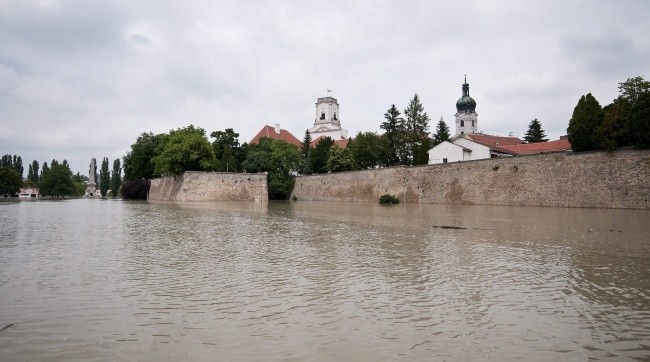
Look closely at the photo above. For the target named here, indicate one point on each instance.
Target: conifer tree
(35, 166)
(306, 153)
(442, 133)
(44, 170)
(393, 128)
(417, 130)
(535, 132)
(104, 178)
(584, 125)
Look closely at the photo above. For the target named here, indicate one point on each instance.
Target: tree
(584, 124)
(136, 189)
(320, 154)
(35, 171)
(10, 181)
(442, 133)
(340, 159)
(535, 133)
(640, 121)
(116, 177)
(138, 162)
(7, 162)
(57, 181)
(421, 152)
(306, 153)
(632, 88)
(393, 128)
(44, 170)
(369, 150)
(104, 178)
(279, 159)
(18, 165)
(184, 149)
(226, 149)
(615, 129)
(417, 131)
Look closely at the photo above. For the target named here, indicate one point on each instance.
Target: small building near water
(29, 193)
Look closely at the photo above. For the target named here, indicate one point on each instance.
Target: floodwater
(113, 280)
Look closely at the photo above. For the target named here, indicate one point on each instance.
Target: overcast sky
(82, 79)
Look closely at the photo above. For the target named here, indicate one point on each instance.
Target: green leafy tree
(18, 165)
(104, 178)
(442, 133)
(35, 169)
(535, 133)
(393, 128)
(584, 125)
(30, 173)
(184, 149)
(136, 189)
(421, 152)
(227, 150)
(10, 181)
(54, 162)
(319, 155)
(279, 159)
(640, 121)
(340, 159)
(7, 161)
(57, 181)
(44, 170)
(369, 150)
(306, 153)
(633, 88)
(417, 132)
(138, 162)
(116, 177)
(615, 129)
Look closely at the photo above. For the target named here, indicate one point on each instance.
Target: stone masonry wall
(210, 186)
(618, 179)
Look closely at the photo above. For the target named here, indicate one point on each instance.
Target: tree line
(55, 179)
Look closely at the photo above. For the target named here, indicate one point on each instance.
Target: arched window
(462, 123)
(472, 123)
(335, 116)
(322, 115)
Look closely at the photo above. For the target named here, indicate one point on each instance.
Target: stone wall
(618, 179)
(210, 186)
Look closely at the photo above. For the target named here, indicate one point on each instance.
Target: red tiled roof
(540, 147)
(269, 132)
(491, 141)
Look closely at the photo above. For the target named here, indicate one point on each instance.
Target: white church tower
(466, 117)
(327, 122)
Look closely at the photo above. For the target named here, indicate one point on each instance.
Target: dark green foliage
(640, 121)
(633, 88)
(227, 150)
(393, 128)
(14, 162)
(57, 181)
(44, 170)
(137, 163)
(184, 149)
(369, 150)
(388, 199)
(535, 133)
(340, 159)
(35, 169)
(421, 152)
(416, 133)
(306, 153)
(320, 154)
(442, 133)
(136, 189)
(615, 129)
(104, 178)
(116, 178)
(279, 159)
(585, 123)
(10, 181)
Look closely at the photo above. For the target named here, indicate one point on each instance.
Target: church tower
(327, 122)
(466, 117)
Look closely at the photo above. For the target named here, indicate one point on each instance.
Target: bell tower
(327, 122)
(466, 116)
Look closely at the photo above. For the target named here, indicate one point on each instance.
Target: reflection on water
(91, 279)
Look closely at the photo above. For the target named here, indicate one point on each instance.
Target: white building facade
(458, 150)
(327, 122)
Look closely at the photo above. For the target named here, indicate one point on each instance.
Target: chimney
(277, 128)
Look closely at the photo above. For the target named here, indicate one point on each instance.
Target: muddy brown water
(113, 280)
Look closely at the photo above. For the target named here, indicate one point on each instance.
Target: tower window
(462, 123)
(472, 123)
(322, 115)
(335, 116)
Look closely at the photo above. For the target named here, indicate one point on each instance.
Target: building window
(472, 123)
(322, 115)
(462, 123)
(444, 160)
(335, 116)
